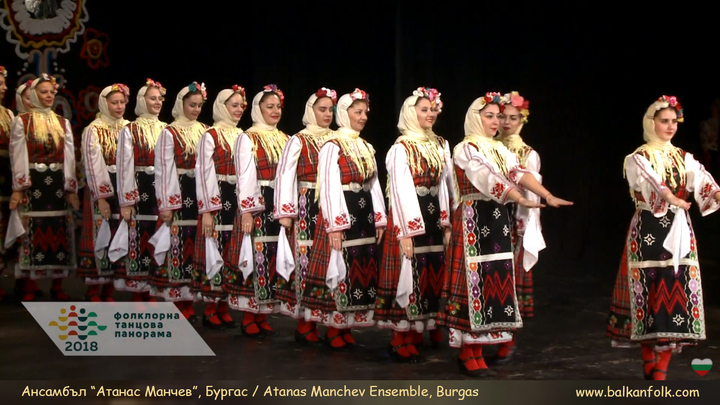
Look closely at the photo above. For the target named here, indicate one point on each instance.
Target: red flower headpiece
(28, 83)
(44, 77)
(516, 100)
(122, 89)
(195, 86)
(360, 95)
(152, 83)
(325, 92)
(274, 89)
(240, 90)
(670, 101)
(431, 94)
(3, 71)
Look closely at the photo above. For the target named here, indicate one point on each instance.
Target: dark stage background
(589, 73)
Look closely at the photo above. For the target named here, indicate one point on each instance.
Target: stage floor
(565, 341)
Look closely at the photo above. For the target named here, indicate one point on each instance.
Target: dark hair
(268, 94)
(191, 93)
(358, 101)
(497, 104)
(666, 108)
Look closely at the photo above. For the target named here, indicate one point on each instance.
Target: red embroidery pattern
(653, 198)
(105, 189)
(288, 208)
(498, 190)
(378, 216)
(71, 184)
(326, 224)
(201, 204)
(396, 229)
(261, 199)
(132, 195)
(443, 215)
(415, 224)
(513, 176)
(341, 220)
(248, 203)
(705, 192)
(174, 199)
(22, 180)
(215, 200)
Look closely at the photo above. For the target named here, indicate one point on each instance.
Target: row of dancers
(263, 223)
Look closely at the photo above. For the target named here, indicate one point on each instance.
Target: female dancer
(42, 157)
(296, 202)
(479, 288)
(658, 299)
(6, 118)
(217, 202)
(175, 155)
(341, 286)
(101, 212)
(136, 190)
(526, 235)
(257, 154)
(413, 268)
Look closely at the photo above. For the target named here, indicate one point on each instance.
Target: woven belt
(307, 184)
(187, 172)
(145, 169)
(232, 179)
(267, 183)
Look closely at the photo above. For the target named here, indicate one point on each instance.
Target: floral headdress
(325, 92)
(195, 86)
(28, 83)
(360, 95)
(3, 71)
(152, 83)
(122, 89)
(241, 91)
(44, 77)
(431, 94)
(516, 100)
(670, 101)
(274, 89)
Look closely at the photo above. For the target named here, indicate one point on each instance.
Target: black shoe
(479, 373)
(228, 324)
(648, 376)
(495, 360)
(302, 337)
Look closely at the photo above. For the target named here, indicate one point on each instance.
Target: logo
(118, 329)
(80, 330)
(702, 366)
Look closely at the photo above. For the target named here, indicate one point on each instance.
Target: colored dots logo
(77, 323)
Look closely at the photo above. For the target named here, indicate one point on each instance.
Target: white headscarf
(475, 132)
(662, 155)
(104, 114)
(309, 120)
(149, 126)
(44, 120)
(188, 130)
(271, 139)
(225, 125)
(514, 142)
(18, 97)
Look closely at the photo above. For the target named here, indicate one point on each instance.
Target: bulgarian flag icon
(702, 366)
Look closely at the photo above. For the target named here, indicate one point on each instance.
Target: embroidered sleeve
(514, 168)
(250, 200)
(96, 172)
(378, 201)
(69, 169)
(486, 178)
(702, 185)
(286, 190)
(19, 157)
(407, 216)
(642, 178)
(206, 184)
(448, 177)
(127, 189)
(332, 199)
(167, 184)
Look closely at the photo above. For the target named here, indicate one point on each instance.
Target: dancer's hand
(379, 234)
(127, 213)
(17, 196)
(73, 200)
(286, 223)
(529, 204)
(208, 225)
(166, 216)
(336, 239)
(556, 202)
(247, 222)
(406, 247)
(104, 208)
